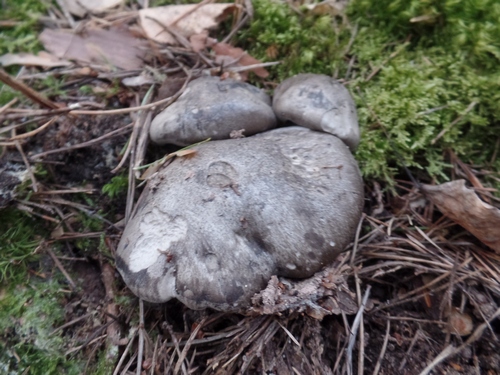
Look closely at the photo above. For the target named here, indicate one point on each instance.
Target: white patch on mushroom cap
(157, 234)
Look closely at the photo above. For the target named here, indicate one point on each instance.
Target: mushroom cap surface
(318, 102)
(211, 229)
(213, 108)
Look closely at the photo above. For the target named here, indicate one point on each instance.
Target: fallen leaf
(42, 59)
(239, 58)
(81, 8)
(200, 41)
(58, 232)
(111, 47)
(463, 206)
(460, 323)
(186, 19)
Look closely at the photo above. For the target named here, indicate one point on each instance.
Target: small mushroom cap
(318, 102)
(213, 108)
(211, 229)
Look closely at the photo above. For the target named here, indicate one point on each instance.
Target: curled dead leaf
(238, 57)
(463, 206)
(186, 19)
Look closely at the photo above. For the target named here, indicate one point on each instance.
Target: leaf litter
(463, 206)
(293, 326)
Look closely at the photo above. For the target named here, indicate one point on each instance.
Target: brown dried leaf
(80, 8)
(200, 41)
(464, 207)
(460, 323)
(186, 19)
(239, 57)
(111, 47)
(42, 59)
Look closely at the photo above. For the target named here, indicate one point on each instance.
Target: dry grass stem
(27, 91)
(84, 144)
(384, 347)
(61, 268)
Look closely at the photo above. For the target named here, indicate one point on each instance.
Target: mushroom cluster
(210, 230)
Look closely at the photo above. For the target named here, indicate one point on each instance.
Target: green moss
(28, 316)
(30, 308)
(448, 59)
(22, 36)
(18, 242)
(117, 186)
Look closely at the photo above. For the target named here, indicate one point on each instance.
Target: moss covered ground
(415, 68)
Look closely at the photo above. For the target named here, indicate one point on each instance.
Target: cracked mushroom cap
(211, 229)
(213, 108)
(318, 102)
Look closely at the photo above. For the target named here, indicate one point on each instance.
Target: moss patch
(414, 69)
(30, 307)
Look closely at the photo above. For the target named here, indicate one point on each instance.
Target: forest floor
(415, 293)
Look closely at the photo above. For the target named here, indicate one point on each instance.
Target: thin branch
(27, 91)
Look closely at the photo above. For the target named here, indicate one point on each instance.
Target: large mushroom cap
(213, 108)
(210, 230)
(318, 102)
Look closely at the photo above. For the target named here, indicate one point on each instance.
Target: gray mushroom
(211, 230)
(318, 102)
(213, 108)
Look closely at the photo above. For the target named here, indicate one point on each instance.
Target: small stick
(240, 24)
(458, 119)
(69, 324)
(66, 13)
(138, 123)
(8, 105)
(361, 355)
(34, 184)
(356, 239)
(184, 352)
(141, 338)
(384, 347)
(124, 355)
(194, 9)
(84, 144)
(354, 329)
(34, 132)
(121, 111)
(407, 354)
(61, 268)
(27, 91)
(155, 352)
(391, 56)
(238, 69)
(113, 329)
